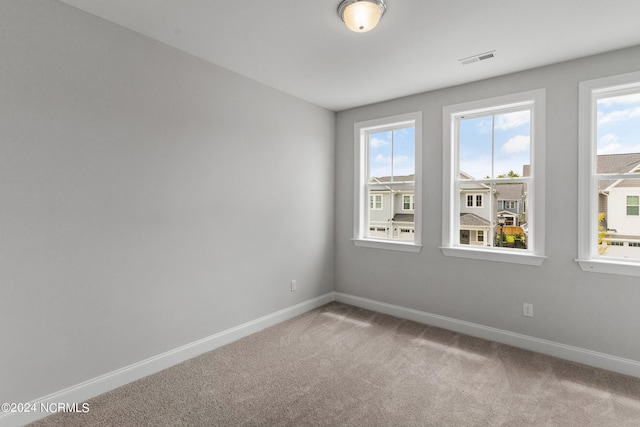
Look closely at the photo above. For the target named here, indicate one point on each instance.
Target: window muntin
(488, 145)
(386, 166)
(609, 172)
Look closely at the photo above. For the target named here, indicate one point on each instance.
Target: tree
(602, 232)
(510, 174)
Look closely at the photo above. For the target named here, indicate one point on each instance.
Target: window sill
(494, 255)
(610, 267)
(388, 245)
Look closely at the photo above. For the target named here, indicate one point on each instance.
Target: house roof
(382, 180)
(473, 186)
(470, 219)
(616, 163)
(509, 191)
(403, 217)
(397, 178)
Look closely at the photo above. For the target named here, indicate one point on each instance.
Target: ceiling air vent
(475, 58)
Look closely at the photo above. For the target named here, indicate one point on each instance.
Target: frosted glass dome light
(361, 15)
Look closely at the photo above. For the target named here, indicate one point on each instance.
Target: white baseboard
(96, 386)
(563, 351)
(91, 388)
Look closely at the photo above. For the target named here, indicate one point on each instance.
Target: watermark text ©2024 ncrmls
(48, 408)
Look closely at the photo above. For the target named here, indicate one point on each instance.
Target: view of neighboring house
(391, 208)
(619, 205)
(511, 203)
(476, 204)
(481, 207)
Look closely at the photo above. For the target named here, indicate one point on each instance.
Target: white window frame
(412, 202)
(534, 254)
(372, 202)
(469, 196)
(590, 91)
(474, 200)
(361, 222)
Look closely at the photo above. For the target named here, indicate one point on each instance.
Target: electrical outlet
(294, 285)
(527, 309)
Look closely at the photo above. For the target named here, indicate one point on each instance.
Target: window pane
(379, 214)
(392, 160)
(509, 228)
(391, 222)
(392, 154)
(618, 128)
(619, 218)
(474, 218)
(512, 145)
(404, 165)
(380, 150)
(475, 147)
(495, 146)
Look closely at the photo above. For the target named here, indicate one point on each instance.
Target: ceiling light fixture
(361, 15)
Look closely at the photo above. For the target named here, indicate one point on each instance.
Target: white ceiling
(301, 47)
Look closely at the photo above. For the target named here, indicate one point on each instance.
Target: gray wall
(587, 310)
(148, 199)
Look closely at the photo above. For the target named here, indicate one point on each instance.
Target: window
(474, 200)
(633, 203)
(488, 146)
(609, 175)
(388, 156)
(509, 204)
(408, 202)
(375, 202)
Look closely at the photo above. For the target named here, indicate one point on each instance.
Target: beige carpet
(343, 366)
